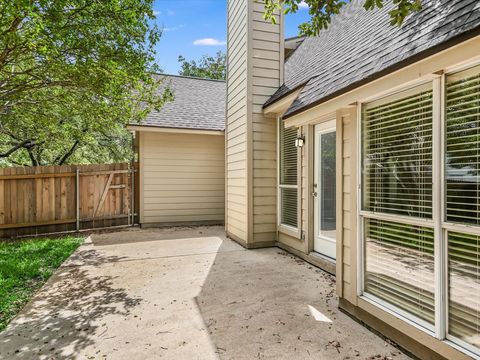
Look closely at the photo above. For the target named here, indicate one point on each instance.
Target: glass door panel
(325, 190)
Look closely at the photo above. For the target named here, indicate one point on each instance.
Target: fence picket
(43, 199)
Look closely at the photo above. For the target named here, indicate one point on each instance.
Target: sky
(193, 28)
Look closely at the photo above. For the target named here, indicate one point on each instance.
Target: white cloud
(303, 5)
(157, 12)
(170, 12)
(209, 42)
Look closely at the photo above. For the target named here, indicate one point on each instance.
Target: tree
(321, 11)
(211, 67)
(72, 74)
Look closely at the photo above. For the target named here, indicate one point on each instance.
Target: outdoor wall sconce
(300, 141)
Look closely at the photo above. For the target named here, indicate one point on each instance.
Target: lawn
(25, 266)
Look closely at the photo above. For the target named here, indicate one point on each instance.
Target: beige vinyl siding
(306, 153)
(265, 64)
(236, 127)
(347, 223)
(254, 63)
(182, 178)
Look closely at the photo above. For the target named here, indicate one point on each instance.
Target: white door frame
(320, 241)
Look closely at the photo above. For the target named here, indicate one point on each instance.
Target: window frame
(326, 127)
(448, 226)
(363, 214)
(284, 228)
(438, 221)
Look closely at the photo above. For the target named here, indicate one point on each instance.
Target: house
(360, 153)
(181, 153)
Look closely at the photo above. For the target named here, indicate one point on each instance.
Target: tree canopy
(72, 74)
(321, 11)
(211, 67)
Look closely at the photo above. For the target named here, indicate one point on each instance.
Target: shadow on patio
(60, 320)
(187, 294)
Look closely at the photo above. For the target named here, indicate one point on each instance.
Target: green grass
(25, 266)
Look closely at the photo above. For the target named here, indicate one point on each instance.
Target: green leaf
(321, 11)
(76, 72)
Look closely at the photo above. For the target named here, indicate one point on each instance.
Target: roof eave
(281, 105)
(288, 93)
(177, 130)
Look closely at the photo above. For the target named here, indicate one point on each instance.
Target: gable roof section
(360, 46)
(198, 104)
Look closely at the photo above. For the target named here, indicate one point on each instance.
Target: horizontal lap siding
(348, 266)
(236, 128)
(304, 191)
(254, 63)
(183, 178)
(265, 80)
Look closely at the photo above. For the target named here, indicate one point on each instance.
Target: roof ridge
(188, 77)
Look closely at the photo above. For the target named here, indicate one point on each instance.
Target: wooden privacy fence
(52, 199)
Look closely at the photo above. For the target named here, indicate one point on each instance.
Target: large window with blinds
(462, 204)
(397, 183)
(420, 205)
(288, 177)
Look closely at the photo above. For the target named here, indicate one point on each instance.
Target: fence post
(77, 188)
(132, 193)
(129, 201)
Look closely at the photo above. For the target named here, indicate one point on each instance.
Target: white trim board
(150, 128)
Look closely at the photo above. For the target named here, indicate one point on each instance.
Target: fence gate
(51, 199)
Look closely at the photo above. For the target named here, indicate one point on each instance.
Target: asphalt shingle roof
(198, 104)
(361, 45)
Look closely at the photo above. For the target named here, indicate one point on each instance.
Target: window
(462, 155)
(462, 203)
(408, 233)
(397, 132)
(288, 187)
(397, 181)
(464, 287)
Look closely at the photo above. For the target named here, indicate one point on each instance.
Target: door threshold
(322, 257)
(316, 260)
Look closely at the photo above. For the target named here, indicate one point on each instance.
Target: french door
(324, 190)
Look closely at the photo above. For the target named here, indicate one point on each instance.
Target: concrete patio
(187, 293)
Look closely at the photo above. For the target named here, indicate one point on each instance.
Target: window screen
(288, 176)
(397, 153)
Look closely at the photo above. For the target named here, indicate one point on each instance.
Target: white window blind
(462, 171)
(288, 176)
(399, 266)
(399, 256)
(397, 180)
(464, 287)
(397, 153)
(462, 156)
